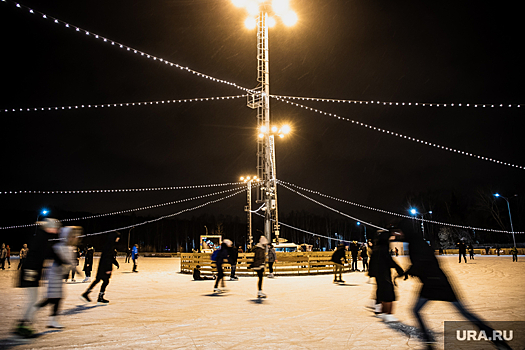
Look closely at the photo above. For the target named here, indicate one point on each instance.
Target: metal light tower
(259, 99)
(248, 209)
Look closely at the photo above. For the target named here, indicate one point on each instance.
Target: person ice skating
(64, 262)
(233, 255)
(221, 256)
(31, 271)
(272, 257)
(8, 257)
(514, 252)
(258, 263)
(462, 251)
(115, 261)
(23, 256)
(88, 264)
(364, 256)
(3, 256)
(105, 268)
(339, 259)
(128, 255)
(471, 251)
(354, 249)
(380, 267)
(76, 262)
(436, 286)
(498, 249)
(197, 274)
(397, 251)
(135, 257)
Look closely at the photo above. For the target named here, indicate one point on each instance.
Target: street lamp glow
(274, 129)
(289, 18)
(239, 3)
(413, 211)
(250, 23)
(263, 128)
(496, 194)
(252, 7)
(358, 223)
(271, 22)
(281, 6)
(285, 129)
(44, 211)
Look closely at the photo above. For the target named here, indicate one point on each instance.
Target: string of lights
(308, 232)
(124, 104)
(393, 103)
(283, 183)
(124, 189)
(133, 210)
(117, 44)
(166, 216)
(401, 135)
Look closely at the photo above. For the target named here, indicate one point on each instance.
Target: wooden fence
(304, 263)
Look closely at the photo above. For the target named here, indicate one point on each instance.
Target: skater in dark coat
(436, 286)
(31, 271)
(222, 255)
(105, 268)
(380, 267)
(354, 249)
(233, 255)
(88, 264)
(197, 274)
(514, 252)
(471, 252)
(258, 264)
(462, 251)
(364, 256)
(339, 259)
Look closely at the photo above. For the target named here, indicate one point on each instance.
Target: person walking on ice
(462, 250)
(88, 264)
(105, 268)
(272, 257)
(259, 261)
(135, 256)
(221, 254)
(339, 259)
(514, 252)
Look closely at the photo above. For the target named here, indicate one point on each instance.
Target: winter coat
(364, 252)
(61, 267)
(41, 249)
(107, 258)
(272, 255)
(222, 254)
(260, 257)
(88, 260)
(233, 255)
(462, 248)
(3, 253)
(134, 253)
(23, 253)
(354, 248)
(426, 267)
(338, 255)
(381, 264)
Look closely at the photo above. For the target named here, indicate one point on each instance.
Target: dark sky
(401, 51)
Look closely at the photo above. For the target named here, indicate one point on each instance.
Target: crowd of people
(59, 246)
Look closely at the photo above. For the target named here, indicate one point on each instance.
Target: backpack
(215, 254)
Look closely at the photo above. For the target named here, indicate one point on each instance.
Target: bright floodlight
(239, 3)
(263, 128)
(289, 18)
(242, 178)
(358, 223)
(413, 211)
(250, 23)
(285, 129)
(271, 22)
(496, 194)
(274, 129)
(45, 211)
(261, 135)
(430, 212)
(252, 6)
(280, 6)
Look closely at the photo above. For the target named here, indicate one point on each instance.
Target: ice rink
(161, 308)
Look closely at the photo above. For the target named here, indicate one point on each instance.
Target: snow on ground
(161, 308)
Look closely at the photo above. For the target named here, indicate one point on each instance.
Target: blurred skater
(115, 261)
(76, 261)
(63, 263)
(364, 256)
(135, 257)
(8, 257)
(197, 274)
(339, 259)
(88, 264)
(258, 263)
(31, 270)
(354, 249)
(471, 251)
(220, 256)
(128, 255)
(514, 252)
(105, 268)
(3, 256)
(233, 255)
(436, 286)
(272, 257)
(462, 251)
(23, 256)
(380, 267)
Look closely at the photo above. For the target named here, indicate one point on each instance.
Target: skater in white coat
(258, 264)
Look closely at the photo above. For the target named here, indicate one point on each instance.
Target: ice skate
(101, 300)
(86, 280)
(260, 294)
(53, 323)
(217, 291)
(389, 318)
(24, 330)
(270, 275)
(85, 297)
(234, 278)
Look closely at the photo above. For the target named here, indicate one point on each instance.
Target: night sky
(399, 51)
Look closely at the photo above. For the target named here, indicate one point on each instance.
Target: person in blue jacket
(135, 256)
(222, 255)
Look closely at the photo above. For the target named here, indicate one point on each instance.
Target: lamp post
(129, 233)
(497, 195)
(414, 212)
(43, 212)
(259, 99)
(364, 226)
(248, 208)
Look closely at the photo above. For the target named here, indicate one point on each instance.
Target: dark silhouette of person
(462, 250)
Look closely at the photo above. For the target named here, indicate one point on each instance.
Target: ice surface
(161, 308)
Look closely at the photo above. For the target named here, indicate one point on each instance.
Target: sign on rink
(465, 335)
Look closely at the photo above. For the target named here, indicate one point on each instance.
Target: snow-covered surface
(161, 308)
